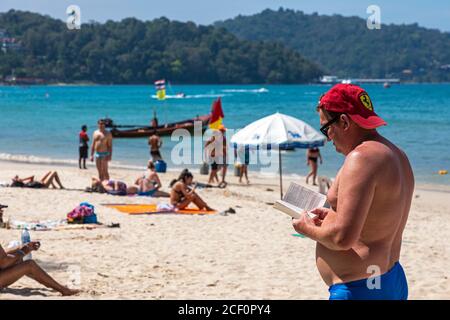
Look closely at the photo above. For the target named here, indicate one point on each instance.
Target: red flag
(216, 114)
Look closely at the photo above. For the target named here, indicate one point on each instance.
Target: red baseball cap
(353, 101)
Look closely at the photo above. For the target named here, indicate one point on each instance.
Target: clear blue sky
(428, 13)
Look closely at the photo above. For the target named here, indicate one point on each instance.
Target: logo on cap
(365, 100)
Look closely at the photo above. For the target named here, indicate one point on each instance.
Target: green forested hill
(345, 47)
(133, 51)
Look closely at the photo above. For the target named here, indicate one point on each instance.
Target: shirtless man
(216, 149)
(359, 238)
(155, 143)
(101, 149)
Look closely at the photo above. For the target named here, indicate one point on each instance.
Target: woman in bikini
(182, 195)
(312, 156)
(48, 180)
(13, 268)
(112, 187)
(149, 184)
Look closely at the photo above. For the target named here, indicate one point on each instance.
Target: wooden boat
(131, 131)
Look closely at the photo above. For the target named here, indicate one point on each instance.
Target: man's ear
(346, 121)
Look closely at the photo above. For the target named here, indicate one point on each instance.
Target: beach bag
(237, 169)
(204, 169)
(84, 213)
(92, 218)
(160, 166)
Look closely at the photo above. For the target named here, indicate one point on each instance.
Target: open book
(298, 199)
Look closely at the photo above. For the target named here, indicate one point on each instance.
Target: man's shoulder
(367, 157)
(372, 150)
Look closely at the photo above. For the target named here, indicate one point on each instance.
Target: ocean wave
(194, 96)
(31, 159)
(313, 93)
(260, 90)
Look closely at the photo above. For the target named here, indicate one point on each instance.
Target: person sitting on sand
(149, 184)
(112, 187)
(182, 195)
(12, 268)
(47, 180)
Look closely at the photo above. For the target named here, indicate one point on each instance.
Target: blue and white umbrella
(278, 131)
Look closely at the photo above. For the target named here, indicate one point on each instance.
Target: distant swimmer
(101, 150)
(359, 239)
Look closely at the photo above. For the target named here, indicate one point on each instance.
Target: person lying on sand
(12, 268)
(113, 187)
(46, 181)
(182, 195)
(149, 183)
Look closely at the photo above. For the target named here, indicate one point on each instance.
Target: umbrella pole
(281, 173)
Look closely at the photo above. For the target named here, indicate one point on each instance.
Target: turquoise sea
(41, 123)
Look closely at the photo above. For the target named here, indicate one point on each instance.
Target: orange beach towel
(152, 209)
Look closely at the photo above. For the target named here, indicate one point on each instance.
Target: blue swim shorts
(101, 155)
(149, 193)
(392, 286)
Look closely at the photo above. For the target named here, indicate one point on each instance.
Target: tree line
(345, 47)
(135, 52)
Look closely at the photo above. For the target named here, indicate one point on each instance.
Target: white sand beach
(248, 255)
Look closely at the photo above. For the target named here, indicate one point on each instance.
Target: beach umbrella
(278, 131)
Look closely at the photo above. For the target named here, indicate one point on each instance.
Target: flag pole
(281, 172)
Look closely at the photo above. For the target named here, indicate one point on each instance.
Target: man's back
(154, 142)
(380, 239)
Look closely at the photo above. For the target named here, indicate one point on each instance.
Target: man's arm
(94, 142)
(209, 141)
(110, 148)
(341, 229)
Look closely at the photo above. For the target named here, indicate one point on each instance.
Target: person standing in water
(155, 143)
(101, 150)
(312, 156)
(83, 147)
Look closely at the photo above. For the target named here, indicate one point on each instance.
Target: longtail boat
(136, 131)
(132, 131)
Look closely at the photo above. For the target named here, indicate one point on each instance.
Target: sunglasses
(324, 129)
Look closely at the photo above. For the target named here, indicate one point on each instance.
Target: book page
(304, 198)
